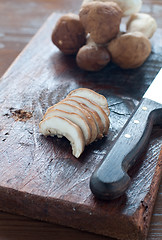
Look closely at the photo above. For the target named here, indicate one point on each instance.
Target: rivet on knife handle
(110, 180)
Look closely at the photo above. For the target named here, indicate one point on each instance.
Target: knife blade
(110, 180)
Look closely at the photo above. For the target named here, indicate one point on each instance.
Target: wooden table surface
(19, 21)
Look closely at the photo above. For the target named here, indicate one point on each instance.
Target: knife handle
(110, 180)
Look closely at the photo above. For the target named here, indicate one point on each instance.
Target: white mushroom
(91, 95)
(63, 127)
(76, 108)
(75, 118)
(91, 104)
(142, 22)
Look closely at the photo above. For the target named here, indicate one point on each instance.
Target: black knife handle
(110, 179)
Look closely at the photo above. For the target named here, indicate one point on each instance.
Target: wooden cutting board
(39, 177)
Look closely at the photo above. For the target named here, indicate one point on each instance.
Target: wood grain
(116, 110)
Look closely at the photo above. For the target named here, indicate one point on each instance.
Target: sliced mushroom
(75, 118)
(91, 104)
(82, 117)
(91, 95)
(93, 113)
(76, 108)
(63, 127)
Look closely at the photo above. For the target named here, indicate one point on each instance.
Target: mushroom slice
(63, 127)
(91, 104)
(93, 113)
(75, 118)
(76, 108)
(91, 95)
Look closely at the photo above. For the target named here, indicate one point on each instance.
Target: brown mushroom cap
(101, 20)
(92, 57)
(69, 34)
(129, 50)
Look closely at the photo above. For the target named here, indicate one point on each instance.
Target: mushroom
(129, 50)
(101, 20)
(63, 127)
(142, 22)
(80, 119)
(72, 106)
(91, 95)
(68, 34)
(92, 56)
(93, 114)
(91, 104)
(127, 6)
(75, 118)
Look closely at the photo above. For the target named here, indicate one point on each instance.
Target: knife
(110, 180)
